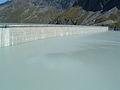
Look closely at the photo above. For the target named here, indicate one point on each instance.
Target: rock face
(97, 5)
(85, 12)
(92, 12)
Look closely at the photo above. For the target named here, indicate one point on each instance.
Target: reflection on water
(70, 63)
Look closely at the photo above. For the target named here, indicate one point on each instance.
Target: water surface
(90, 62)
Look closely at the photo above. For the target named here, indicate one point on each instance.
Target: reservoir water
(90, 62)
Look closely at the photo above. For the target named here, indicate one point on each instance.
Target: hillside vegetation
(77, 12)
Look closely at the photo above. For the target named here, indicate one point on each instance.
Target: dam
(13, 34)
(87, 61)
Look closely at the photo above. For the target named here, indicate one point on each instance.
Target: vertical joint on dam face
(4, 36)
(13, 34)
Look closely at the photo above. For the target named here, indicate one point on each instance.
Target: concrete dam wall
(14, 34)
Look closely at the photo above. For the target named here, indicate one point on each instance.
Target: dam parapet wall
(14, 34)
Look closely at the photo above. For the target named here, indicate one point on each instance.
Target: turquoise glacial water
(90, 62)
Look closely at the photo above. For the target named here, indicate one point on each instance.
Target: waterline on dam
(89, 62)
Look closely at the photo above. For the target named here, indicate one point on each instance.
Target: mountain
(85, 12)
(32, 11)
(92, 12)
(97, 5)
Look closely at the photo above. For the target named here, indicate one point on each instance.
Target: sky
(2, 1)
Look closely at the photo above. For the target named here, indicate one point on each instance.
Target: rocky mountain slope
(85, 12)
(97, 5)
(92, 12)
(32, 11)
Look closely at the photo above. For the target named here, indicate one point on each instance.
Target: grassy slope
(71, 16)
(20, 15)
(32, 14)
(76, 15)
